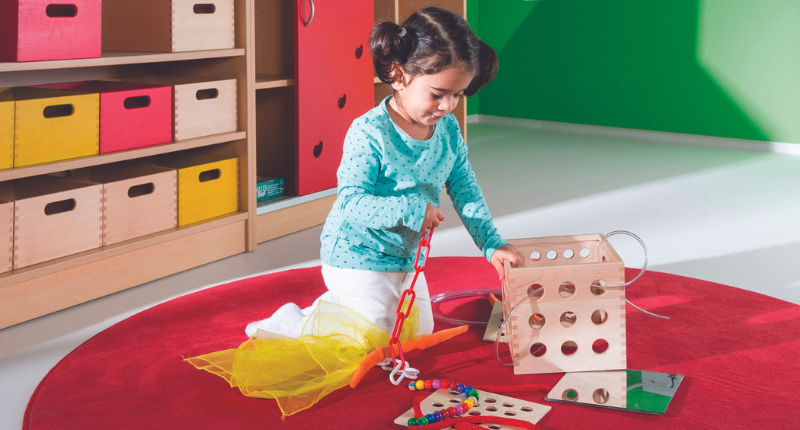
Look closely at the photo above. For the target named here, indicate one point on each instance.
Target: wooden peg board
(568, 326)
(490, 404)
(608, 388)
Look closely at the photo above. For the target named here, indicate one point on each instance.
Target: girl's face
(425, 99)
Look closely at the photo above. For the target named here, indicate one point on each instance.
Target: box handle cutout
(61, 10)
(318, 150)
(342, 101)
(59, 207)
(210, 175)
(141, 190)
(136, 102)
(204, 8)
(359, 51)
(58, 111)
(210, 93)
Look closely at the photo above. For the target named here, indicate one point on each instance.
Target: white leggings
(374, 295)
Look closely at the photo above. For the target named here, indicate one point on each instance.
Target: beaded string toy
(450, 412)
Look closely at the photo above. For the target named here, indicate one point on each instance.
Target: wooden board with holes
(490, 404)
(495, 320)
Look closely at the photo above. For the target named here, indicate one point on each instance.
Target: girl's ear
(398, 75)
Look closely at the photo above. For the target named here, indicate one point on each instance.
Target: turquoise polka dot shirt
(386, 179)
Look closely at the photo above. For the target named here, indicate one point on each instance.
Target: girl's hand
(432, 218)
(506, 252)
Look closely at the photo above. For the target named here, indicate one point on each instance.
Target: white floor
(720, 215)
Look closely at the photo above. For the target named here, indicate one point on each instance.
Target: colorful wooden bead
(459, 410)
(412, 386)
(430, 418)
(428, 384)
(436, 384)
(437, 416)
(420, 385)
(460, 388)
(467, 389)
(453, 385)
(451, 412)
(473, 393)
(445, 384)
(412, 422)
(423, 421)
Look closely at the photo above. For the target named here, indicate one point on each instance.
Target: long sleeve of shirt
(386, 180)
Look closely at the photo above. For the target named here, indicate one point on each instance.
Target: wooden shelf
(289, 201)
(98, 254)
(266, 80)
(115, 58)
(113, 157)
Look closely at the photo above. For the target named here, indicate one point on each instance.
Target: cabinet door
(333, 84)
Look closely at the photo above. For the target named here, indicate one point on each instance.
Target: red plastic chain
(394, 342)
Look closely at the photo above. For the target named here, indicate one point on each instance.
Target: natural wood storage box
(6, 236)
(208, 185)
(53, 217)
(201, 107)
(53, 125)
(168, 25)
(137, 200)
(570, 325)
(6, 128)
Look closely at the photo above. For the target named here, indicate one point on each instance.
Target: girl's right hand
(432, 218)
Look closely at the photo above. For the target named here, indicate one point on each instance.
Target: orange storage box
(53, 125)
(208, 184)
(181, 25)
(6, 128)
(43, 30)
(53, 217)
(137, 200)
(131, 115)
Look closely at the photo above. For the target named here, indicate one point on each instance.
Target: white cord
(395, 377)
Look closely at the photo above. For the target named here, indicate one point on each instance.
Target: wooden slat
(285, 221)
(64, 288)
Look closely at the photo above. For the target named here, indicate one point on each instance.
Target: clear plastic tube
(459, 294)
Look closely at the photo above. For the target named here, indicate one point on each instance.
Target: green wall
(728, 68)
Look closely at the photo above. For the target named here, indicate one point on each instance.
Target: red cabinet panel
(333, 84)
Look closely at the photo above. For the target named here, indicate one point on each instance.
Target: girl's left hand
(506, 252)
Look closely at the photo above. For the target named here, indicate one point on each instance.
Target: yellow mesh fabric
(298, 372)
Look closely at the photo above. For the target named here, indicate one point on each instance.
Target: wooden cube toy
(569, 323)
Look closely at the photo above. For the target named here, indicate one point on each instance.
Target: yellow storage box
(208, 185)
(6, 128)
(54, 217)
(54, 125)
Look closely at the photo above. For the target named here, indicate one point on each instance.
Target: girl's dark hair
(427, 42)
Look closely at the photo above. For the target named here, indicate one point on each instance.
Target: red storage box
(131, 115)
(41, 30)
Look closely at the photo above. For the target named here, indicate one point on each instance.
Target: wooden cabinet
(303, 74)
(332, 81)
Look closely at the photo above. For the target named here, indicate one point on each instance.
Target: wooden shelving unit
(262, 61)
(53, 285)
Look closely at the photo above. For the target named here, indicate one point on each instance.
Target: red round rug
(738, 351)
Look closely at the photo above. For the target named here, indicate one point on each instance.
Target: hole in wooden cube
(536, 255)
(600, 346)
(538, 349)
(569, 253)
(585, 253)
(535, 291)
(568, 319)
(552, 254)
(569, 348)
(599, 317)
(536, 321)
(490, 400)
(510, 413)
(567, 290)
(596, 287)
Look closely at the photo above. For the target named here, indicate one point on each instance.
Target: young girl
(396, 159)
